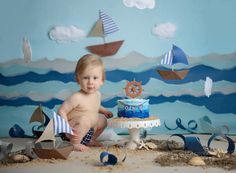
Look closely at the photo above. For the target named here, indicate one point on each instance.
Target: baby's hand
(108, 114)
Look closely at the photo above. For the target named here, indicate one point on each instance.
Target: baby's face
(91, 79)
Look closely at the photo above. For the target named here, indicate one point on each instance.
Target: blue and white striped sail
(174, 56)
(109, 26)
(167, 58)
(55, 126)
(60, 125)
(104, 26)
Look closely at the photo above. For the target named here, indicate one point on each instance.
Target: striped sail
(109, 26)
(174, 56)
(167, 58)
(60, 125)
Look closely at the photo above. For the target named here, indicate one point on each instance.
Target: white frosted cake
(133, 108)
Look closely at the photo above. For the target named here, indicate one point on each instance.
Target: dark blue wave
(24, 101)
(217, 103)
(34, 77)
(196, 73)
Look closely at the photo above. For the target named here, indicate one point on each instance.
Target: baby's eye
(95, 77)
(86, 77)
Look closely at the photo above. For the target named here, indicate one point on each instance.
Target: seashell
(196, 161)
(20, 158)
(220, 153)
(151, 145)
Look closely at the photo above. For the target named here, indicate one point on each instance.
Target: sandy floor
(136, 161)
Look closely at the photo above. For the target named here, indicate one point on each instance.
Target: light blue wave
(134, 62)
(55, 89)
(18, 69)
(167, 112)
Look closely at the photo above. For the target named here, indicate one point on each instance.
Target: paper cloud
(140, 4)
(208, 86)
(62, 34)
(164, 30)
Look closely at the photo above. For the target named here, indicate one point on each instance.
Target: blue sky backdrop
(202, 26)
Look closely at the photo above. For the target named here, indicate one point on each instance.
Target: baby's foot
(95, 143)
(80, 147)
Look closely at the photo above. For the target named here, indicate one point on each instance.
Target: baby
(82, 109)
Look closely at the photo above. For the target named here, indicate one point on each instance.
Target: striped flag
(109, 26)
(60, 125)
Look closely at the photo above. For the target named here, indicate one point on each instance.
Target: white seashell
(151, 145)
(220, 153)
(20, 158)
(196, 161)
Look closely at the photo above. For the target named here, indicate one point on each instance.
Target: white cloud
(164, 30)
(62, 34)
(140, 4)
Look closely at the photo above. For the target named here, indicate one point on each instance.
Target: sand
(156, 160)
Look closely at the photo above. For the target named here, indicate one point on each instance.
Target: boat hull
(106, 49)
(56, 153)
(173, 75)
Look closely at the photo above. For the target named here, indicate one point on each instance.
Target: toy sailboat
(26, 49)
(55, 126)
(174, 56)
(103, 27)
(39, 116)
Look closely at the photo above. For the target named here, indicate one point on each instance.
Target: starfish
(142, 144)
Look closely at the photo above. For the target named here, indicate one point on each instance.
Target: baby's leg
(101, 125)
(80, 129)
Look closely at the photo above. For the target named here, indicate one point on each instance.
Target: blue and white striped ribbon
(109, 26)
(60, 125)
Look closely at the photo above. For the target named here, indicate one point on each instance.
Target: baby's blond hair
(89, 60)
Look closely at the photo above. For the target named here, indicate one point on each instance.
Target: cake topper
(133, 88)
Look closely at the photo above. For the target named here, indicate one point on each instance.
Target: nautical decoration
(208, 86)
(174, 56)
(196, 161)
(26, 49)
(103, 27)
(133, 89)
(39, 116)
(55, 126)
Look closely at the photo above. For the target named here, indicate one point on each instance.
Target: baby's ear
(77, 79)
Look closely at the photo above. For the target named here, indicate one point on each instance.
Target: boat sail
(55, 126)
(103, 27)
(174, 56)
(39, 116)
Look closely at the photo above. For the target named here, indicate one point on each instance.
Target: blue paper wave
(217, 103)
(195, 74)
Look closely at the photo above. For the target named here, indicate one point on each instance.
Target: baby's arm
(108, 114)
(104, 111)
(68, 105)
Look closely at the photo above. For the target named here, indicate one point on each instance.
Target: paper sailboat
(41, 117)
(103, 27)
(174, 56)
(55, 126)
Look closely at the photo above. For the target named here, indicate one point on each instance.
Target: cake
(133, 108)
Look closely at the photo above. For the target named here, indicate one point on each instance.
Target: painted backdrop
(54, 34)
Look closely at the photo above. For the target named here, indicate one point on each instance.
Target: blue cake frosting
(133, 108)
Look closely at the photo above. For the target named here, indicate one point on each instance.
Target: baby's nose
(90, 80)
